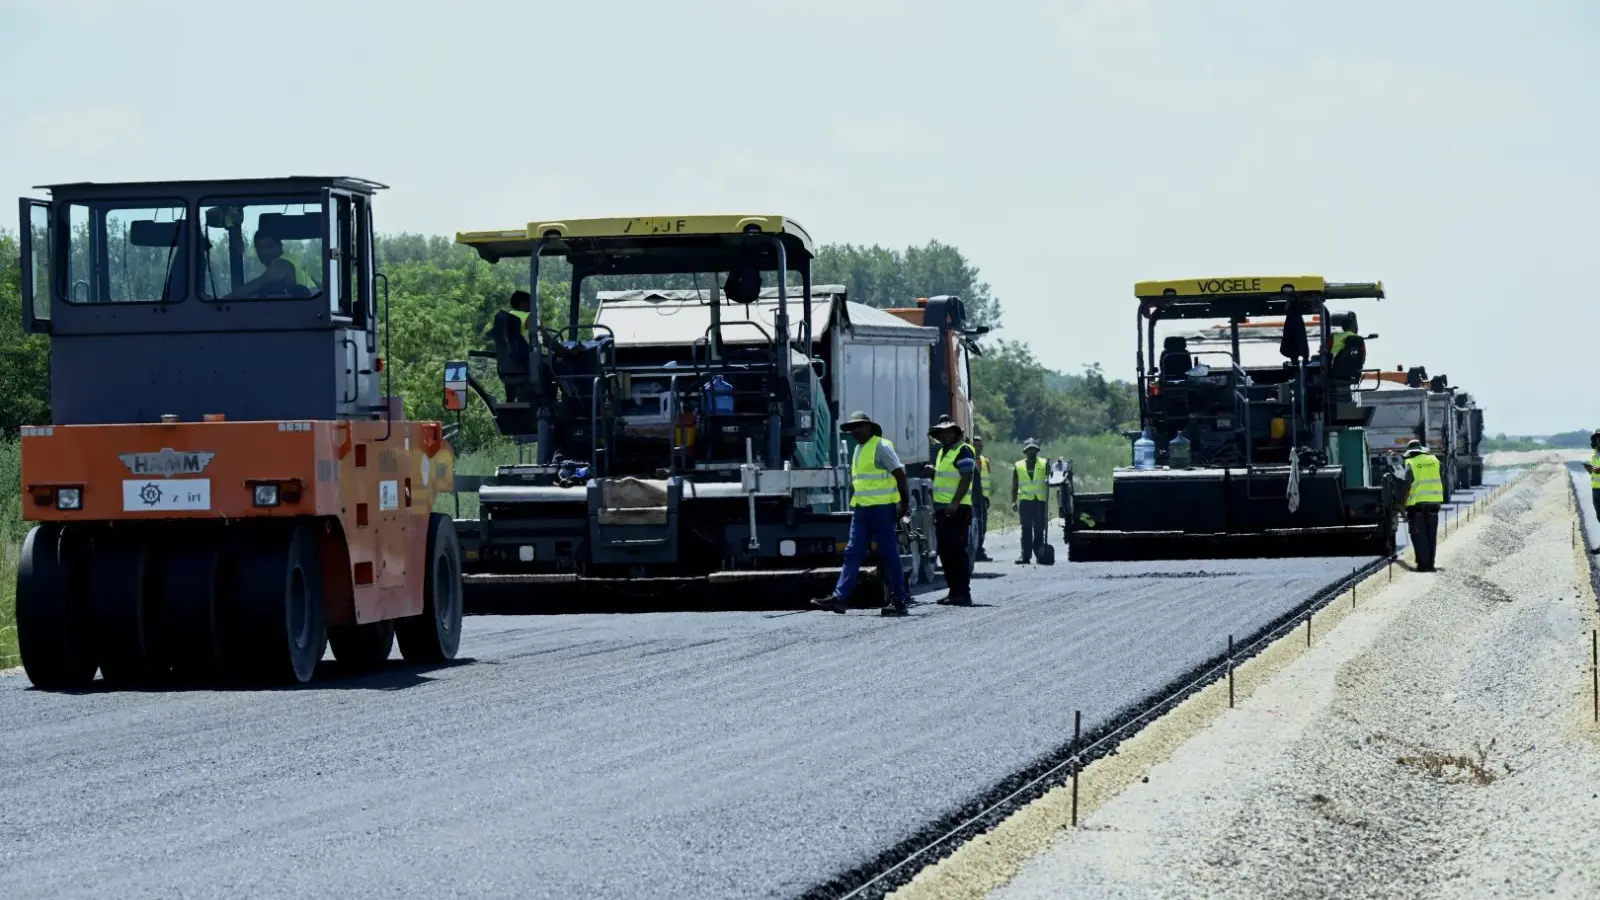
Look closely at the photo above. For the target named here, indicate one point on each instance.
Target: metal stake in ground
(1594, 652)
(1230, 671)
(1077, 740)
(1308, 628)
(1353, 584)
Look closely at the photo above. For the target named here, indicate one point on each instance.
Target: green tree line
(443, 298)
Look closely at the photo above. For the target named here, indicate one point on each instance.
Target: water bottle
(721, 395)
(1144, 451)
(1178, 453)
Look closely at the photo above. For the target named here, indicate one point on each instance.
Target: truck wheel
(364, 646)
(435, 635)
(191, 617)
(53, 617)
(280, 600)
(123, 587)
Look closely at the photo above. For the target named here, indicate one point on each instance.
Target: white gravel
(1438, 743)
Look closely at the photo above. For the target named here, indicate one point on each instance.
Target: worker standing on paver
(1423, 496)
(879, 499)
(954, 469)
(1028, 499)
(981, 486)
(521, 306)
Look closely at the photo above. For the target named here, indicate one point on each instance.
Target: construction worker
(1593, 468)
(981, 486)
(879, 500)
(521, 306)
(1342, 336)
(279, 273)
(954, 469)
(1424, 494)
(1028, 499)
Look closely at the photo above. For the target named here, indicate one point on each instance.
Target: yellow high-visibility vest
(870, 483)
(1594, 477)
(1426, 485)
(946, 477)
(1337, 344)
(522, 316)
(1030, 487)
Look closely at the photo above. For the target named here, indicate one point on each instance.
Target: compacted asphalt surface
(667, 754)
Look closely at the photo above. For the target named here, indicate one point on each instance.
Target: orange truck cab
(225, 489)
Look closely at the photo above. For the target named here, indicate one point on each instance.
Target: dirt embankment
(1439, 744)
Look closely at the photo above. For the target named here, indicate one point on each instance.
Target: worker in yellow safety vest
(955, 467)
(1028, 499)
(1424, 494)
(981, 487)
(279, 275)
(879, 499)
(1593, 468)
(521, 306)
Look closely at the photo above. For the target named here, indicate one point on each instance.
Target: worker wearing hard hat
(954, 470)
(980, 486)
(879, 499)
(1028, 499)
(1424, 494)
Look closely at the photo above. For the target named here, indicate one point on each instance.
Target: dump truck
(1408, 404)
(1239, 457)
(949, 395)
(226, 486)
(1469, 440)
(685, 436)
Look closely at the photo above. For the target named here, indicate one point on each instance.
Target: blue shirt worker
(1424, 495)
(954, 470)
(879, 500)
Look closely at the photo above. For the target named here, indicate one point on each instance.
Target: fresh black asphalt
(671, 754)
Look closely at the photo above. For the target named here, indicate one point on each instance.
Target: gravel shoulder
(1438, 744)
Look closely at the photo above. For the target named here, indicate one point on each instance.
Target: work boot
(897, 608)
(945, 600)
(983, 556)
(831, 604)
(1022, 561)
(961, 601)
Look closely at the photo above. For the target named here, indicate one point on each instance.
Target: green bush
(11, 532)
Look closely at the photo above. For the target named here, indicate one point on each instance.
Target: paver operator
(1423, 496)
(953, 472)
(879, 500)
(1028, 499)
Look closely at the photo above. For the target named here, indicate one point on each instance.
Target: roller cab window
(261, 249)
(124, 254)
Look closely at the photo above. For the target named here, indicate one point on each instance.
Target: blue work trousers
(873, 525)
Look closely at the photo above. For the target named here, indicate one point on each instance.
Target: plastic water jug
(720, 393)
(1178, 453)
(1144, 452)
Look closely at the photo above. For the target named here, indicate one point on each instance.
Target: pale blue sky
(1068, 148)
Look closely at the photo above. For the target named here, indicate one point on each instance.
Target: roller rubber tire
(362, 647)
(280, 605)
(123, 591)
(54, 621)
(434, 636)
(193, 610)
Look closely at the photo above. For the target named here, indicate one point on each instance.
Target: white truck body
(1405, 414)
